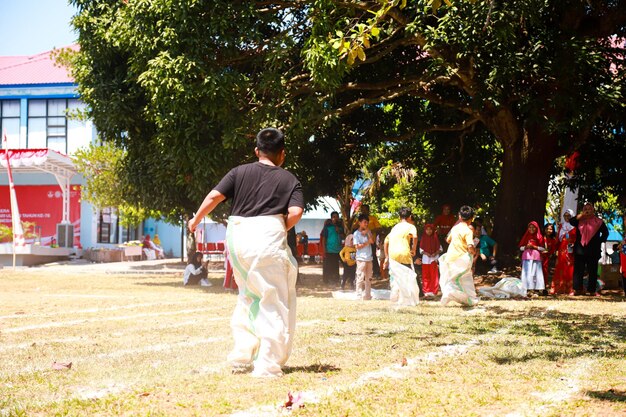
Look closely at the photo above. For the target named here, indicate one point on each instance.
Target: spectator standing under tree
(615, 254)
(564, 270)
(348, 257)
(430, 248)
(375, 228)
(552, 244)
(267, 201)
(304, 241)
(591, 232)
(531, 245)
(622, 265)
(443, 224)
(478, 224)
(363, 240)
(331, 238)
(486, 251)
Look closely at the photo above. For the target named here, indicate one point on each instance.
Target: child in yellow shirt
(348, 257)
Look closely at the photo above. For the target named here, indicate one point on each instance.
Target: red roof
(33, 69)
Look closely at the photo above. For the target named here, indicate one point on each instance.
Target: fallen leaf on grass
(20, 312)
(404, 362)
(294, 401)
(61, 366)
(144, 394)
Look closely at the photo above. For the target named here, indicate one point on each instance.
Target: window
(109, 230)
(10, 122)
(131, 233)
(49, 127)
(108, 226)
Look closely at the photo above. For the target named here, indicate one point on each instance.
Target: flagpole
(17, 232)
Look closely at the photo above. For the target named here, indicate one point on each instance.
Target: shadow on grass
(562, 335)
(609, 395)
(316, 368)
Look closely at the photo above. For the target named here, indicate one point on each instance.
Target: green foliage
(6, 232)
(449, 89)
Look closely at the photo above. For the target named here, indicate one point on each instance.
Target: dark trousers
(349, 273)
(584, 263)
(330, 268)
(375, 265)
(195, 279)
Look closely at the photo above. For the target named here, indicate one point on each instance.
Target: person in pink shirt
(532, 245)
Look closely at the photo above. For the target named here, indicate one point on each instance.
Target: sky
(29, 27)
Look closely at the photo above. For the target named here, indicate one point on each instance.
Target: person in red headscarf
(564, 270)
(531, 245)
(430, 248)
(591, 233)
(443, 224)
(551, 244)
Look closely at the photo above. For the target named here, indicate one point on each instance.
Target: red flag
(18, 232)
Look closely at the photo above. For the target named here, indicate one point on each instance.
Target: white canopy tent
(43, 160)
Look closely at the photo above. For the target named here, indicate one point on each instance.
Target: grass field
(144, 345)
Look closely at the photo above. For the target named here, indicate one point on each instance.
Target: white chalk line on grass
(159, 347)
(395, 371)
(95, 310)
(68, 340)
(76, 361)
(101, 319)
(308, 323)
(553, 398)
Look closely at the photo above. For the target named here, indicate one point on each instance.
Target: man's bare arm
(294, 214)
(208, 205)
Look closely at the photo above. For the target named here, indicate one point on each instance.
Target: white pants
(264, 319)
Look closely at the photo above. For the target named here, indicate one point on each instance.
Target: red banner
(43, 206)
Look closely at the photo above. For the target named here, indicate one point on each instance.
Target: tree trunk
(523, 189)
(189, 237)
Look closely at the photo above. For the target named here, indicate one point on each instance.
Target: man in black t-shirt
(267, 201)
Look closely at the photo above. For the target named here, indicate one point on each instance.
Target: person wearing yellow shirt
(400, 248)
(455, 266)
(348, 257)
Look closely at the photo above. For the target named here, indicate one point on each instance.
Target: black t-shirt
(258, 189)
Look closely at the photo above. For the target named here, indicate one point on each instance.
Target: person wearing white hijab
(565, 227)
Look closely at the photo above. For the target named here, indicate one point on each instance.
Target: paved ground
(161, 266)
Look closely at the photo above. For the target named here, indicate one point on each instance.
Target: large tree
(181, 84)
(538, 75)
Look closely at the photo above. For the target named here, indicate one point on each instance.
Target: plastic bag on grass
(507, 287)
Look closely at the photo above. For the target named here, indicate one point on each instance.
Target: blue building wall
(170, 235)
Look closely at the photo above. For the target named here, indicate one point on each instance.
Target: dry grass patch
(146, 345)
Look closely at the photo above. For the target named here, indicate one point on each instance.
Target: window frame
(47, 118)
(2, 117)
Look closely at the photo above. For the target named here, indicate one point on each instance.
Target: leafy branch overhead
(183, 86)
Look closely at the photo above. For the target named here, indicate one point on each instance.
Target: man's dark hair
(270, 141)
(333, 212)
(364, 217)
(466, 213)
(405, 213)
